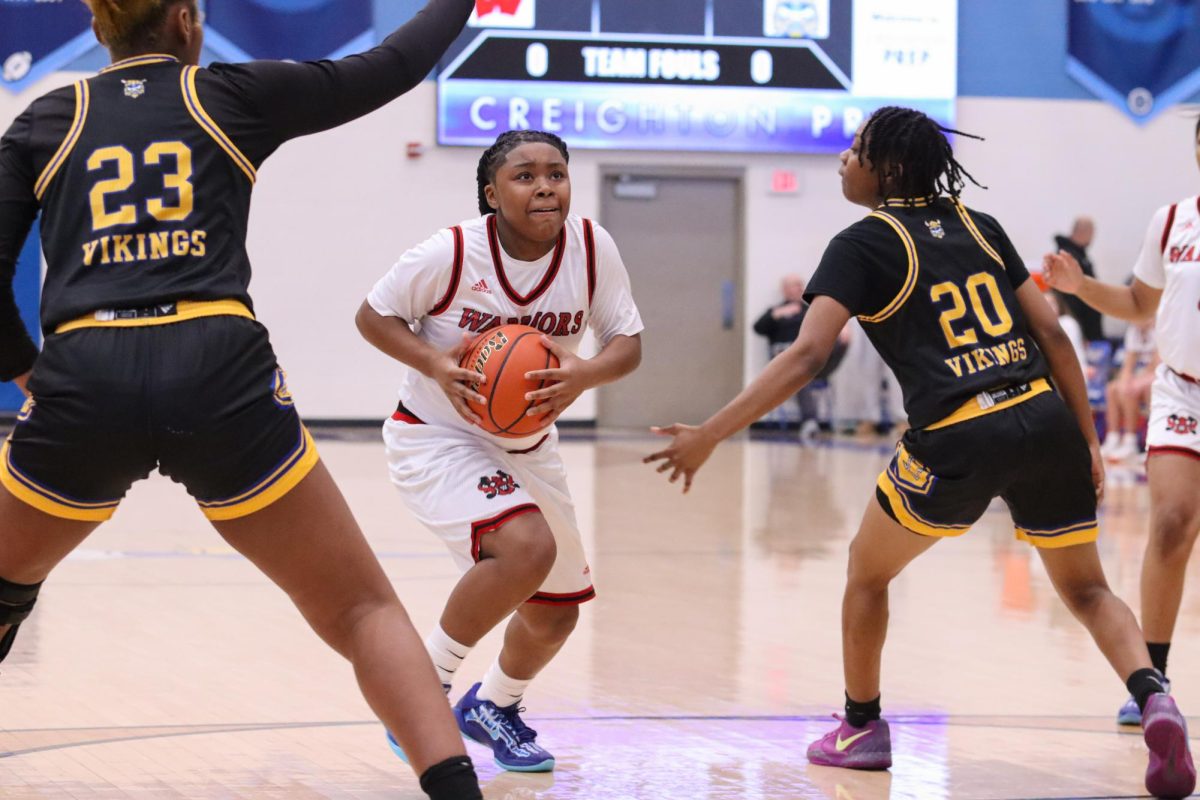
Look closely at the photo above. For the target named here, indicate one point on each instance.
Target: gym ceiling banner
(719, 75)
(300, 30)
(40, 36)
(1143, 56)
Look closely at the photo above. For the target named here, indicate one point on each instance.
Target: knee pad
(16, 604)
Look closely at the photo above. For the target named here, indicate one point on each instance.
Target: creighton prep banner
(40, 36)
(300, 30)
(1143, 56)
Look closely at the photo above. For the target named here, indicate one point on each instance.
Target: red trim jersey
(461, 280)
(1170, 261)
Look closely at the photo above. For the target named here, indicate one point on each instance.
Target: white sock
(447, 654)
(1130, 441)
(501, 689)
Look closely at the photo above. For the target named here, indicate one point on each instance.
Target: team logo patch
(279, 389)
(909, 473)
(935, 227)
(1184, 426)
(26, 409)
(497, 485)
(134, 88)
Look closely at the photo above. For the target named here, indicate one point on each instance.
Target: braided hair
(130, 25)
(494, 157)
(911, 149)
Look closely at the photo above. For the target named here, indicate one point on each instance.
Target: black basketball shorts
(1031, 453)
(202, 400)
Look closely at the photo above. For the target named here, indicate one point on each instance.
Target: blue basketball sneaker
(395, 746)
(512, 741)
(1129, 713)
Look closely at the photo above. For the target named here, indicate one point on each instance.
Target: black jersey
(143, 173)
(935, 288)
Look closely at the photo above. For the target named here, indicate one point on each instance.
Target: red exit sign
(785, 181)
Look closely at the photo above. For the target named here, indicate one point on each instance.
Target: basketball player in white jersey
(502, 505)
(1166, 280)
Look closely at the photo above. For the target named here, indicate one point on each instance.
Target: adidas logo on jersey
(481, 287)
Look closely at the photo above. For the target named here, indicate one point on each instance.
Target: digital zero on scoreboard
(690, 92)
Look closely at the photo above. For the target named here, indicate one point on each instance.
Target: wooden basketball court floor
(161, 665)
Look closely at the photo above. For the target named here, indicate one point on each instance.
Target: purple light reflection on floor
(722, 758)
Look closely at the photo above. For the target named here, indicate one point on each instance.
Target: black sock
(1142, 684)
(452, 779)
(859, 714)
(1158, 655)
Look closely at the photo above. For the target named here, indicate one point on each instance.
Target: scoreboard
(717, 75)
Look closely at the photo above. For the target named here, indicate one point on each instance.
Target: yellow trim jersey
(934, 285)
(142, 174)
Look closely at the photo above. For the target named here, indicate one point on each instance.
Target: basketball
(504, 355)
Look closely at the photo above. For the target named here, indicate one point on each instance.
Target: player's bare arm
(575, 375)
(1065, 369)
(1136, 303)
(787, 374)
(395, 337)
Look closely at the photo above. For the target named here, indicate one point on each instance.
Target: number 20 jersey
(934, 285)
(146, 199)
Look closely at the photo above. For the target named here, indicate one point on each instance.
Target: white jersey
(461, 280)
(1170, 260)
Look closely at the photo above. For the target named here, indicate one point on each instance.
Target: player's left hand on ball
(688, 451)
(565, 383)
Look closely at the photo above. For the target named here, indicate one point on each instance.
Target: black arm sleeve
(18, 209)
(296, 99)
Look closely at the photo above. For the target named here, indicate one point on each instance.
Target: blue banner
(27, 286)
(39, 37)
(300, 30)
(1143, 56)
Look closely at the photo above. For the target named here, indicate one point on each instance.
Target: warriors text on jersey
(462, 281)
(1170, 261)
(142, 174)
(934, 286)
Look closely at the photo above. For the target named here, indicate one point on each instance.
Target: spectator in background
(1083, 230)
(1128, 391)
(1071, 328)
(781, 324)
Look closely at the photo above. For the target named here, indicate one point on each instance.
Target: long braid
(912, 154)
(494, 156)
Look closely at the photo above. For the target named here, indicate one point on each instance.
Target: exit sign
(785, 181)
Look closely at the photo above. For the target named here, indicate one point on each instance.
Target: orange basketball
(504, 355)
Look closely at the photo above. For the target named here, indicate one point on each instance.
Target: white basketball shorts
(463, 487)
(1174, 425)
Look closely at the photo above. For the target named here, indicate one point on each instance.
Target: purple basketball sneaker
(1171, 772)
(868, 747)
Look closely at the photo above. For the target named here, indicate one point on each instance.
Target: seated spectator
(1128, 392)
(780, 324)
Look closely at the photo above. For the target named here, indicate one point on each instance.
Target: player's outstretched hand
(564, 383)
(688, 451)
(1062, 272)
(458, 383)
